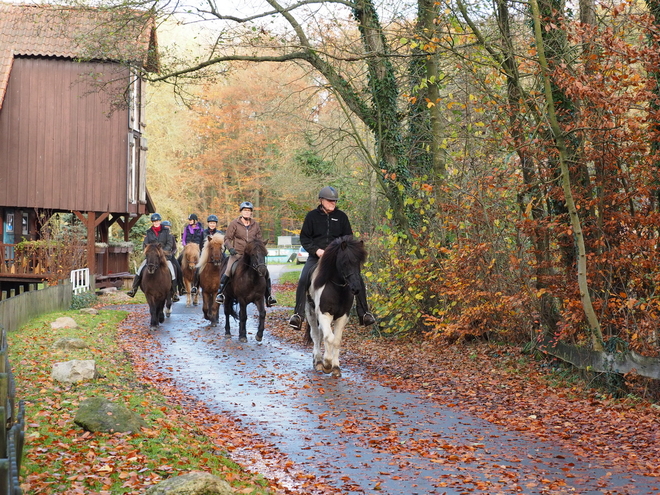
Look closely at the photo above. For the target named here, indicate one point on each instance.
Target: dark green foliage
(84, 300)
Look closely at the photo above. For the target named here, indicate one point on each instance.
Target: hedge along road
(357, 435)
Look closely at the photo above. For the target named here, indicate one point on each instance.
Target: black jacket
(207, 233)
(164, 238)
(320, 229)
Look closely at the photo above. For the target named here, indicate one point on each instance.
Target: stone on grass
(194, 483)
(64, 322)
(69, 344)
(89, 311)
(74, 371)
(98, 414)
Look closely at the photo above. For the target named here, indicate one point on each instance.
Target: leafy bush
(83, 300)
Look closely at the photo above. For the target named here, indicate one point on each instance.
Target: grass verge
(60, 457)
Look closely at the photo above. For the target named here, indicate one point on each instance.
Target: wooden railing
(21, 265)
(12, 425)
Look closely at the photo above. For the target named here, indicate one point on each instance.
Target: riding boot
(175, 296)
(220, 298)
(136, 285)
(270, 300)
(296, 319)
(366, 318)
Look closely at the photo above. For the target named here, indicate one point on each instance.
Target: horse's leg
(153, 313)
(242, 320)
(168, 305)
(187, 286)
(227, 306)
(261, 307)
(215, 311)
(325, 325)
(315, 334)
(161, 313)
(340, 323)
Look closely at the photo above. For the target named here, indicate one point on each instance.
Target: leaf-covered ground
(496, 383)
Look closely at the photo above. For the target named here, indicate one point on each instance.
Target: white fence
(80, 280)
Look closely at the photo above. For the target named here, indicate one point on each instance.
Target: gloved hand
(232, 251)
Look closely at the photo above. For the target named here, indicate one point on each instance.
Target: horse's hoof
(318, 366)
(259, 337)
(195, 304)
(153, 328)
(327, 370)
(336, 371)
(242, 339)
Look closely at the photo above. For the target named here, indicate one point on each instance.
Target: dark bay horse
(211, 264)
(247, 284)
(334, 283)
(156, 284)
(189, 260)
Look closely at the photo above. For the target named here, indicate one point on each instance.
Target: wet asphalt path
(358, 435)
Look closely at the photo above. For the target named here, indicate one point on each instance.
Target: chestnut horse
(211, 264)
(246, 285)
(157, 284)
(189, 260)
(334, 282)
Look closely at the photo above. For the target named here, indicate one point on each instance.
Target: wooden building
(71, 126)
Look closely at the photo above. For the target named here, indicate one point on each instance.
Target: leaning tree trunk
(560, 143)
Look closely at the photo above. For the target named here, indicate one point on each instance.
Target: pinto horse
(211, 265)
(334, 282)
(247, 284)
(157, 284)
(189, 260)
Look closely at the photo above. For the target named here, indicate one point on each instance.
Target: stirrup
(296, 321)
(193, 290)
(131, 293)
(271, 301)
(220, 298)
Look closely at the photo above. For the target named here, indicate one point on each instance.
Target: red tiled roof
(51, 31)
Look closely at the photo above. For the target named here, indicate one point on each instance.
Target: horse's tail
(307, 336)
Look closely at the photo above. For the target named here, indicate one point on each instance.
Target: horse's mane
(346, 250)
(255, 246)
(217, 239)
(191, 248)
(154, 246)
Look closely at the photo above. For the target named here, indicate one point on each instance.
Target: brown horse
(211, 264)
(246, 285)
(156, 284)
(189, 260)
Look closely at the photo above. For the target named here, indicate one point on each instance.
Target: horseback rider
(210, 231)
(166, 224)
(323, 225)
(194, 231)
(157, 234)
(239, 232)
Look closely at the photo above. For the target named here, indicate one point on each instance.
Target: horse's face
(155, 257)
(192, 257)
(216, 255)
(257, 252)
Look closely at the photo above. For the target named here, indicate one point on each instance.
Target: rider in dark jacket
(322, 226)
(157, 234)
(240, 231)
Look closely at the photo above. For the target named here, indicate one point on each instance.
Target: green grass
(59, 457)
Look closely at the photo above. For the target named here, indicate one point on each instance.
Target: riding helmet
(246, 204)
(329, 192)
(212, 218)
(166, 223)
(192, 216)
(155, 217)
